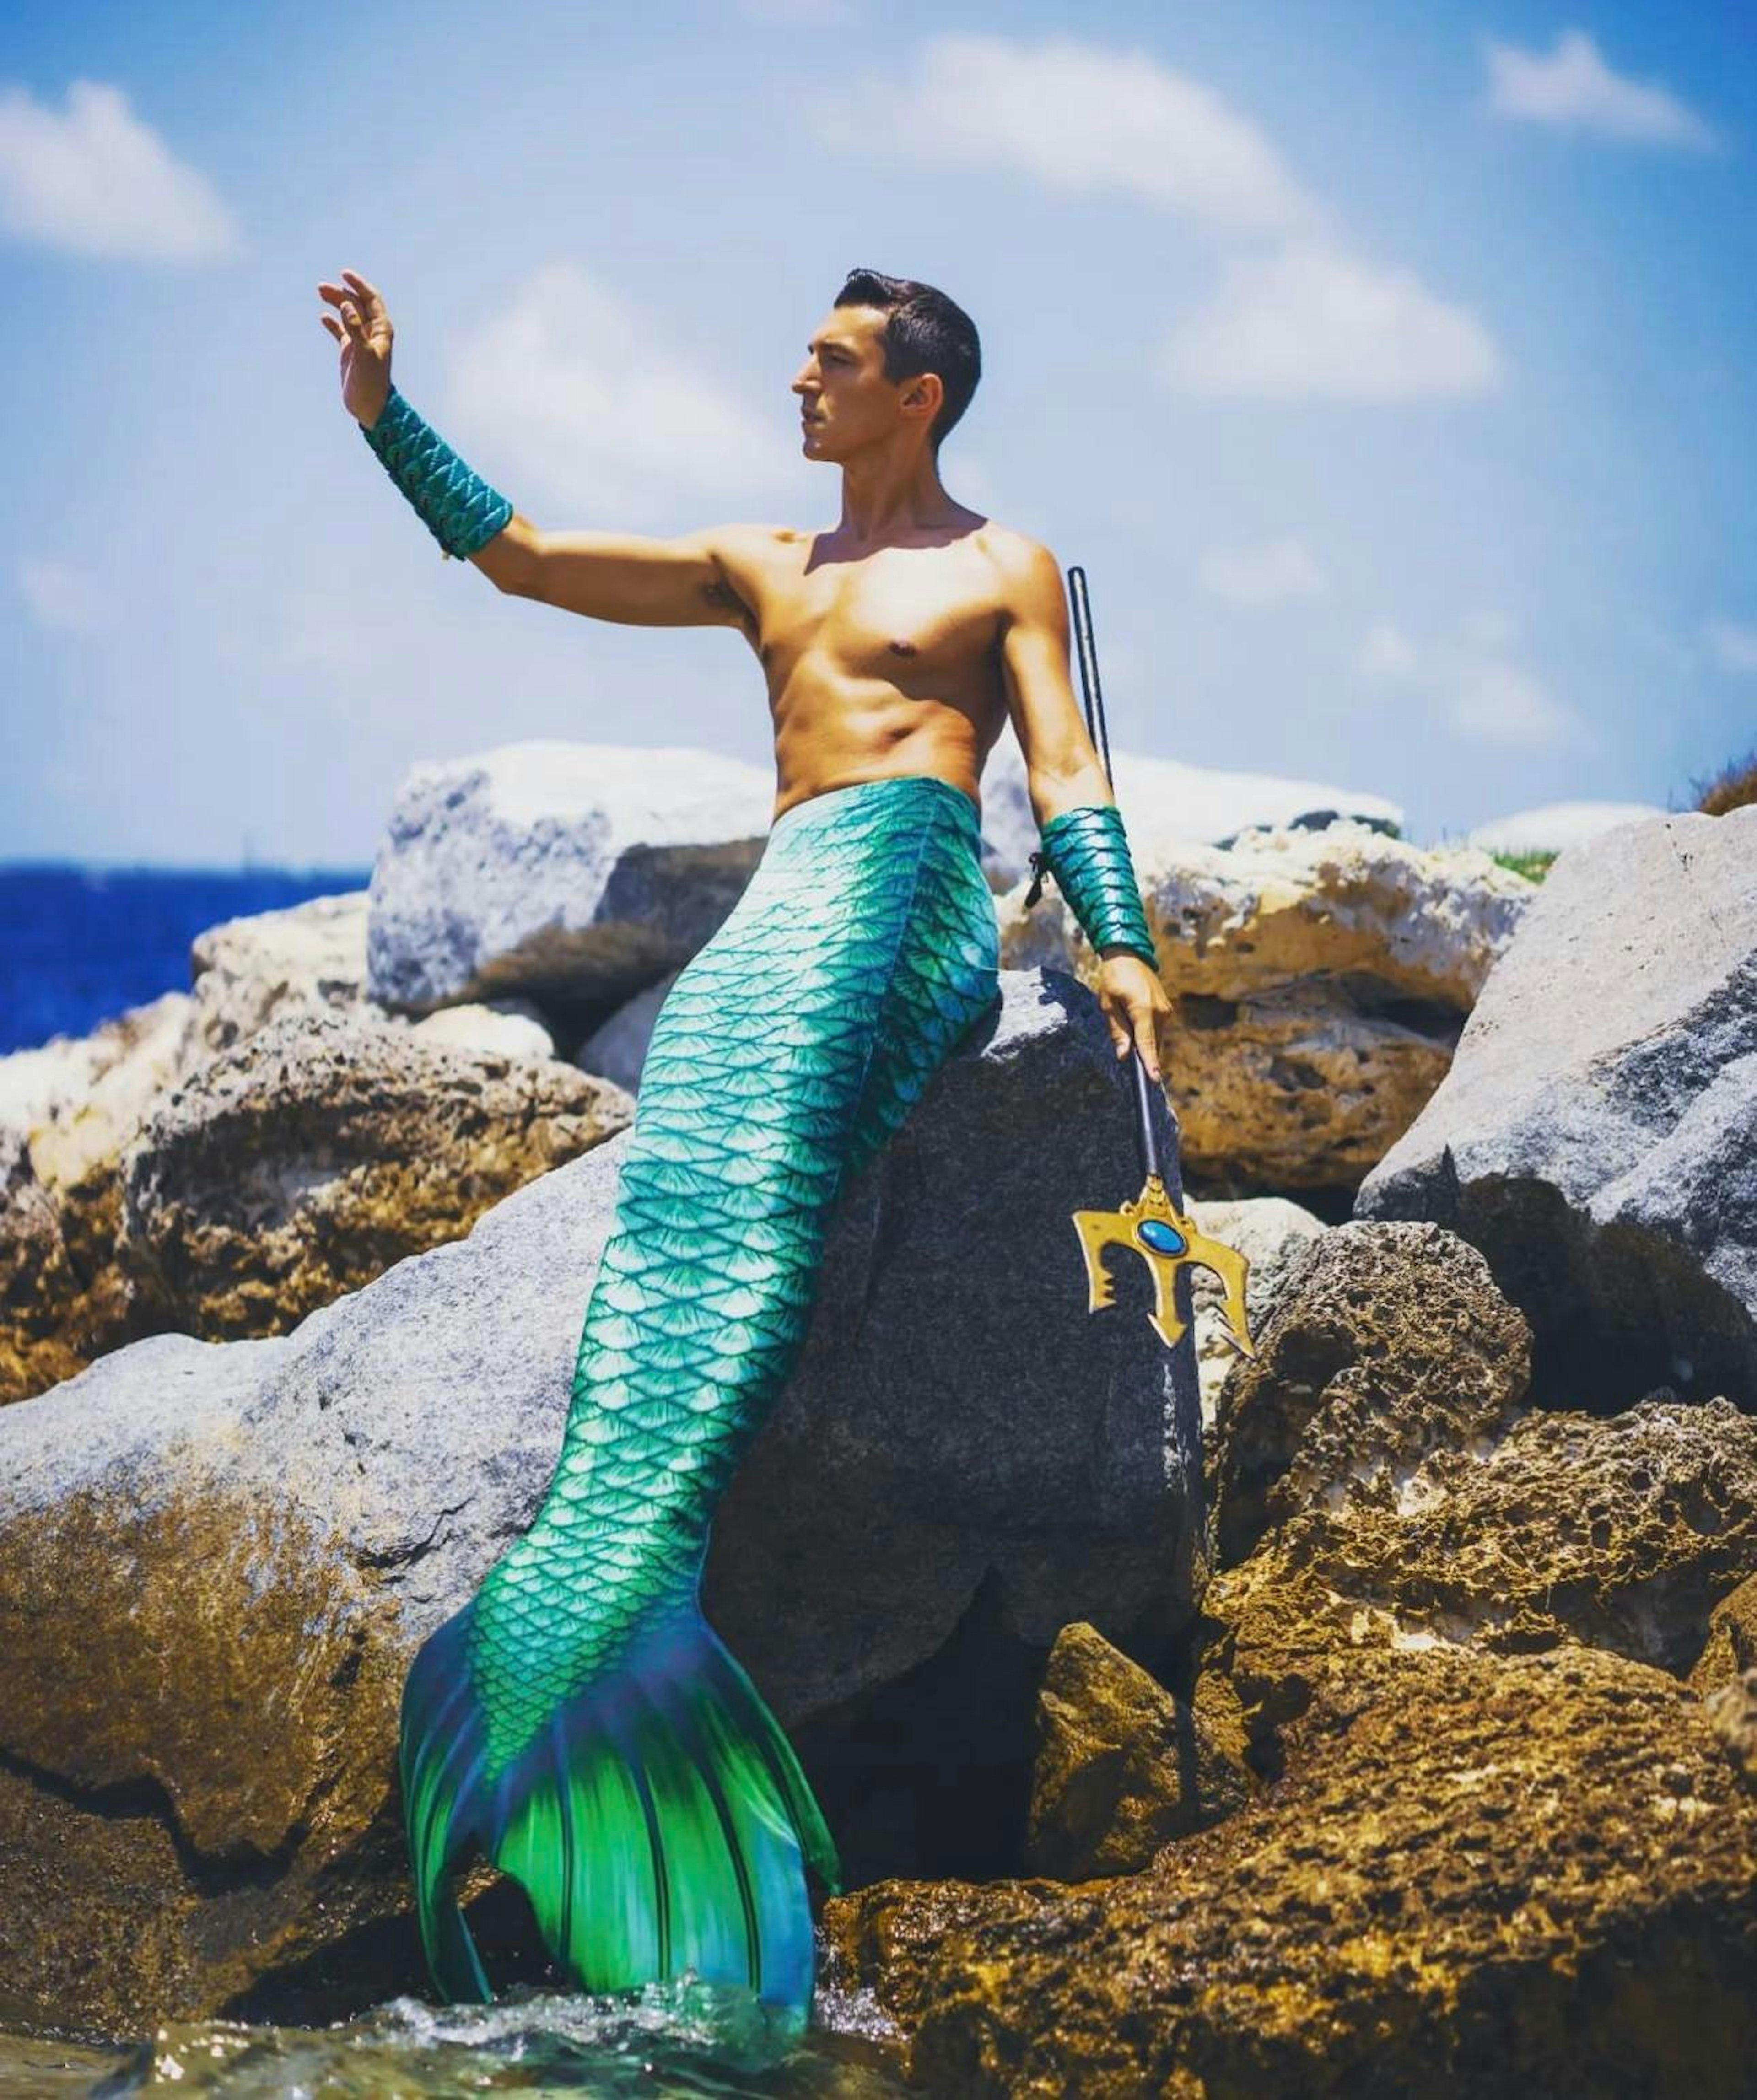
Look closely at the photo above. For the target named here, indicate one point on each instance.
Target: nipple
(903, 648)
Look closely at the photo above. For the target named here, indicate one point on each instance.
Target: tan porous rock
(1731, 1712)
(1732, 1643)
(324, 1147)
(1386, 1343)
(71, 1107)
(309, 957)
(1621, 1532)
(226, 1684)
(40, 1291)
(1479, 1875)
(1271, 1233)
(1122, 1765)
(1321, 978)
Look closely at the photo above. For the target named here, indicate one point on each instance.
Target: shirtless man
(579, 1721)
(900, 641)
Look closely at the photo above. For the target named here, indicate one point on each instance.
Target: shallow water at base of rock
(688, 2041)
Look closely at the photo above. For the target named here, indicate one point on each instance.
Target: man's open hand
(362, 327)
(1135, 1005)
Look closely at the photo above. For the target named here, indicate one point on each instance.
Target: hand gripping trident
(1160, 1234)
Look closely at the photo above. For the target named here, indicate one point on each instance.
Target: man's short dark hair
(926, 332)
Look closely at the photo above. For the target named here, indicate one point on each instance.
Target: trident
(1149, 1223)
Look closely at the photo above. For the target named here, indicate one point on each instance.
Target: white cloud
(1310, 320)
(1078, 118)
(1386, 652)
(1270, 574)
(1490, 699)
(1472, 685)
(1735, 646)
(1574, 87)
(62, 597)
(93, 180)
(585, 401)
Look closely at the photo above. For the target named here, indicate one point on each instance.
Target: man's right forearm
(464, 513)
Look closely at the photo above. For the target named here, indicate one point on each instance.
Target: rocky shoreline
(1402, 1738)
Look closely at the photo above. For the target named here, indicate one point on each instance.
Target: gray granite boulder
(1597, 1136)
(575, 873)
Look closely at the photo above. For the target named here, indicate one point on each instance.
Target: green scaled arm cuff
(457, 505)
(1087, 851)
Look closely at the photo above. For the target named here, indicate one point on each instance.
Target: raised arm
(690, 580)
(686, 581)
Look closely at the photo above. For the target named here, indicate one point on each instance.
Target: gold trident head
(1166, 1240)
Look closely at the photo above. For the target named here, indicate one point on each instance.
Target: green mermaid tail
(578, 1720)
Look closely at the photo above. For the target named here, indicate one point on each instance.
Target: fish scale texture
(1087, 851)
(461, 511)
(578, 1718)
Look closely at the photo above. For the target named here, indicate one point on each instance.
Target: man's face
(845, 401)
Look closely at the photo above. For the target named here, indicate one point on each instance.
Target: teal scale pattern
(1087, 851)
(579, 1718)
(461, 511)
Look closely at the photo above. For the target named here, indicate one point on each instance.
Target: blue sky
(1390, 369)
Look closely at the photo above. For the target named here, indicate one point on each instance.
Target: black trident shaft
(1164, 1237)
(1093, 692)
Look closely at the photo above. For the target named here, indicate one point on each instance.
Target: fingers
(1134, 1026)
(360, 306)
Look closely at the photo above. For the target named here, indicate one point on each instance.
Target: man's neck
(885, 499)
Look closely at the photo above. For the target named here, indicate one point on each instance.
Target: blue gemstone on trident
(1162, 1237)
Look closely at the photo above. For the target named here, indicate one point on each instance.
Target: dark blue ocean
(79, 944)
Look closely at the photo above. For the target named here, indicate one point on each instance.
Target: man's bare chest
(901, 614)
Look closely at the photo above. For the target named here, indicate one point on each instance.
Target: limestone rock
(1622, 1533)
(501, 1027)
(1479, 1876)
(1122, 1765)
(66, 1293)
(40, 1292)
(1270, 1232)
(1320, 980)
(1731, 1646)
(324, 1147)
(1597, 1136)
(575, 873)
(1387, 1342)
(1166, 802)
(1731, 1712)
(309, 957)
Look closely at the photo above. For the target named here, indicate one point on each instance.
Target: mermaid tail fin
(658, 1820)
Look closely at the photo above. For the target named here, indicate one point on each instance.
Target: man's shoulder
(1029, 570)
